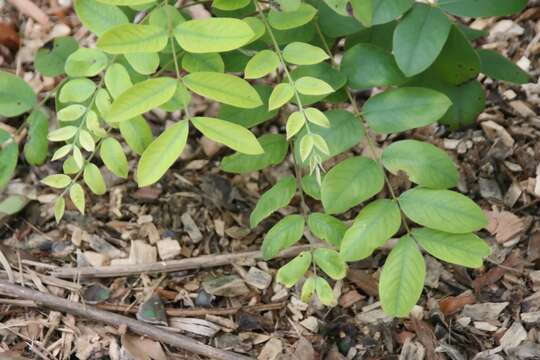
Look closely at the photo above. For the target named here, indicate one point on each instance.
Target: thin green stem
(365, 126)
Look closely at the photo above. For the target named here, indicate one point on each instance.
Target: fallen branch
(59, 304)
(200, 262)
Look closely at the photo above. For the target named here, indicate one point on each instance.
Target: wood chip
(258, 278)
(484, 311)
(168, 249)
(514, 336)
(228, 286)
(191, 228)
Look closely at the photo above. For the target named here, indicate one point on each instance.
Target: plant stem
(365, 126)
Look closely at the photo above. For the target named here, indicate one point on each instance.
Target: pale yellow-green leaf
(281, 94)
(262, 64)
(94, 179)
(295, 123)
(76, 194)
(317, 117)
(133, 38)
(59, 207)
(57, 181)
(309, 85)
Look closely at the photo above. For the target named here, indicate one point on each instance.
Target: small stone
(451, 144)
(210, 148)
(258, 278)
(280, 295)
(168, 249)
(228, 286)
(485, 326)
(514, 336)
(484, 311)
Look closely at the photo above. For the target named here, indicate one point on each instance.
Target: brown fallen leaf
(9, 37)
(426, 336)
(497, 272)
(141, 348)
(504, 225)
(364, 281)
(452, 304)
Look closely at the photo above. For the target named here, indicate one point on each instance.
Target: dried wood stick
(200, 262)
(28, 8)
(59, 304)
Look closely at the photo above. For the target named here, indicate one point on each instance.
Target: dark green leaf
(283, 234)
(498, 67)
(277, 197)
(275, 148)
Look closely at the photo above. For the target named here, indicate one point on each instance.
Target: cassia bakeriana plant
(150, 54)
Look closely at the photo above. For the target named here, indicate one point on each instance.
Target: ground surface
(490, 313)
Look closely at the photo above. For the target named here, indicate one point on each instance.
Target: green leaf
(291, 19)
(345, 131)
(203, 62)
(374, 225)
(402, 278)
(225, 88)
(113, 157)
(133, 38)
(162, 153)
(275, 149)
(229, 5)
(36, 146)
(458, 61)
(317, 117)
(307, 290)
(324, 292)
(137, 134)
(93, 178)
(424, 163)
(76, 194)
(330, 262)
(99, 17)
(339, 6)
(295, 123)
(419, 38)
(300, 53)
(363, 11)
(77, 90)
(283, 234)
(323, 72)
(385, 11)
(71, 113)
(404, 109)
(211, 35)
(57, 181)
(59, 208)
(281, 94)
(461, 249)
(498, 67)
(16, 96)
(13, 204)
(292, 272)
(326, 228)
(86, 141)
(50, 60)
(140, 98)
(306, 146)
(289, 5)
(167, 17)
(278, 196)
(9, 154)
(311, 186)
(332, 24)
(117, 80)
(63, 133)
(309, 85)
(180, 99)
(248, 118)
(145, 63)
(368, 66)
(442, 210)
(232, 135)
(349, 183)
(86, 62)
(127, 2)
(482, 8)
(262, 64)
